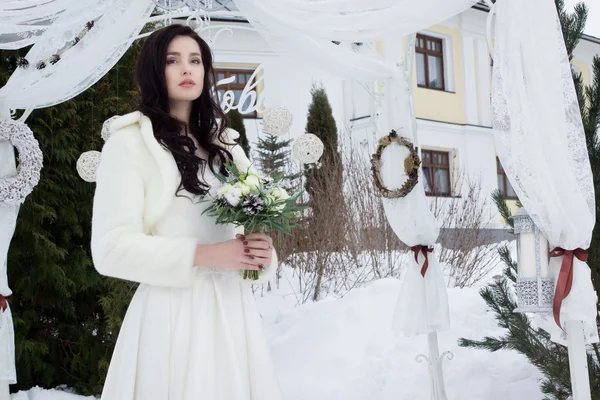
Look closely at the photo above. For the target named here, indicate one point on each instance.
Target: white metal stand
(578, 365)
(436, 371)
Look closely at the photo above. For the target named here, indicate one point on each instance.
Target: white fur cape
(137, 180)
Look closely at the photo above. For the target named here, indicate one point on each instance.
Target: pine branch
(510, 267)
(503, 209)
(573, 25)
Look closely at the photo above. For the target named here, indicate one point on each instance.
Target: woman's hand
(258, 246)
(252, 252)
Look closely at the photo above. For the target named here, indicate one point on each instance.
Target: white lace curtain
(541, 142)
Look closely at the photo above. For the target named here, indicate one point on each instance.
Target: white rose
(283, 194)
(279, 193)
(270, 197)
(253, 182)
(244, 188)
(223, 189)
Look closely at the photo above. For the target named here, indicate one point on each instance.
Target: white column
(580, 378)
(468, 55)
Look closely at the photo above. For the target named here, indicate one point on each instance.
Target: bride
(192, 330)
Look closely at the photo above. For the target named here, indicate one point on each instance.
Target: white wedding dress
(204, 342)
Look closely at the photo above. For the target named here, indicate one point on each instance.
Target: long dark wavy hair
(204, 124)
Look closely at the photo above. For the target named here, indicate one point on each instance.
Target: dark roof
(229, 5)
(483, 7)
(591, 38)
(480, 5)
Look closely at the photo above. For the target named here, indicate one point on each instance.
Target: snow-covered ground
(345, 348)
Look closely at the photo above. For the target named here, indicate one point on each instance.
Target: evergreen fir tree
(328, 172)
(321, 123)
(273, 155)
(551, 359)
(324, 183)
(235, 121)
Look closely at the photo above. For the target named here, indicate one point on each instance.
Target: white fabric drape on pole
(82, 65)
(422, 305)
(541, 143)
(8, 221)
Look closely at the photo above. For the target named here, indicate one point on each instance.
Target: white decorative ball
(277, 121)
(88, 164)
(106, 127)
(307, 149)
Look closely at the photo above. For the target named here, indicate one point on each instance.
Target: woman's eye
(171, 61)
(197, 62)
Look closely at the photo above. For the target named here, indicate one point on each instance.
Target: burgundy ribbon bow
(3, 302)
(424, 250)
(565, 277)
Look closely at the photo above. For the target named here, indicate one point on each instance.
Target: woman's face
(184, 71)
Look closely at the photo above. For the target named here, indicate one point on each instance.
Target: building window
(430, 62)
(504, 185)
(436, 168)
(240, 77)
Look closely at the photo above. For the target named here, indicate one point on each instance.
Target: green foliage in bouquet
(254, 202)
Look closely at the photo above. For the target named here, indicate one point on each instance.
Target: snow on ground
(345, 348)
(37, 393)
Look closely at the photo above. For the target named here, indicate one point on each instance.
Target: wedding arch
(535, 115)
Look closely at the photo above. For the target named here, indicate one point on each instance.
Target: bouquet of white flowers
(254, 202)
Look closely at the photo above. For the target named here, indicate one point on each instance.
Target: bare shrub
(351, 243)
(468, 241)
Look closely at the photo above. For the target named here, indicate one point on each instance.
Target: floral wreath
(14, 190)
(411, 166)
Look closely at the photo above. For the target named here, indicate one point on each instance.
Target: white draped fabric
(82, 65)
(23, 21)
(541, 142)
(8, 220)
(304, 29)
